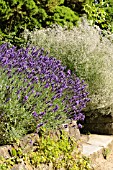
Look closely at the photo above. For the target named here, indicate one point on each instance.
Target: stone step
(97, 147)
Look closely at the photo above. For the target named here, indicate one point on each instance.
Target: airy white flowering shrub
(84, 50)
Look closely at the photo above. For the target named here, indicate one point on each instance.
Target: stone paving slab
(93, 143)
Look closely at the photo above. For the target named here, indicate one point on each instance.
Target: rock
(4, 151)
(19, 167)
(27, 142)
(22, 166)
(99, 121)
(44, 167)
(100, 128)
(29, 139)
(72, 130)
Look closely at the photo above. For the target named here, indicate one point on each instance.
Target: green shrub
(49, 5)
(85, 51)
(21, 14)
(17, 15)
(100, 13)
(77, 5)
(64, 16)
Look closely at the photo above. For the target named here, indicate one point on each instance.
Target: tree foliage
(101, 13)
(17, 15)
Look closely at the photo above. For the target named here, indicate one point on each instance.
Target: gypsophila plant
(82, 49)
(36, 91)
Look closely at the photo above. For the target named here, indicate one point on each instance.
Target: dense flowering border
(39, 68)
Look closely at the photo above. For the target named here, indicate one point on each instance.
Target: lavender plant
(35, 91)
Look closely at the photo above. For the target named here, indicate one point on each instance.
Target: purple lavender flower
(35, 114)
(79, 126)
(7, 100)
(39, 125)
(42, 113)
(47, 85)
(36, 70)
(69, 72)
(56, 108)
(37, 94)
(75, 117)
(25, 98)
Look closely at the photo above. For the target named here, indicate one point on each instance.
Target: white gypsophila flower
(85, 49)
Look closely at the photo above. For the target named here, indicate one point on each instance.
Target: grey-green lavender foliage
(84, 50)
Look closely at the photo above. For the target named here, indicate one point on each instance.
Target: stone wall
(99, 121)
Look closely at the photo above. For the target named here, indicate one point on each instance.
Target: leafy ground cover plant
(35, 91)
(60, 152)
(85, 51)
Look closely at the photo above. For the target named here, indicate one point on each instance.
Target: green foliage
(100, 14)
(4, 9)
(12, 38)
(97, 14)
(20, 15)
(15, 120)
(49, 5)
(108, 6)
(61, 151)
(77, 5)
(17, 15)
(64, 16)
